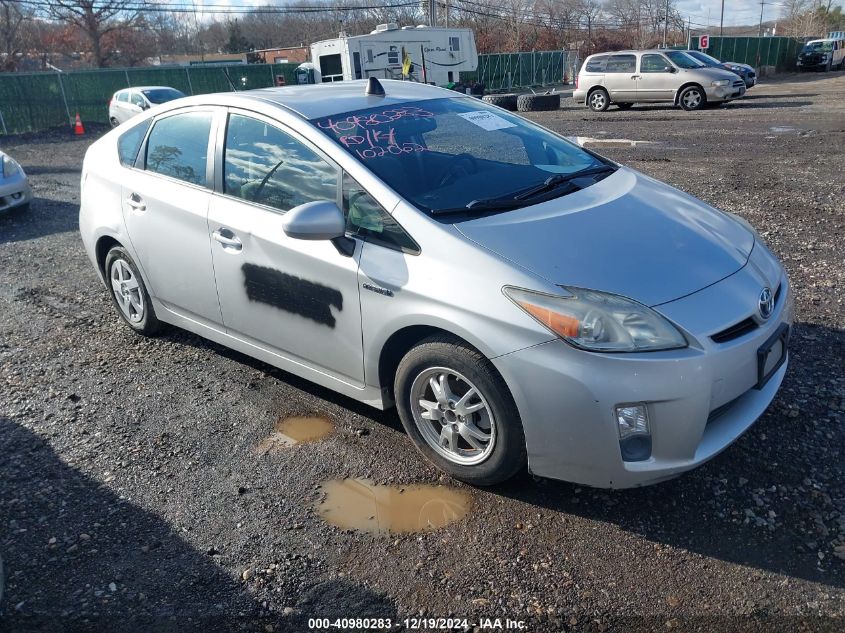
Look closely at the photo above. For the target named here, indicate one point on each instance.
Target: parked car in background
(748, 74)
(130, 102)
(520, 300)
(14, 187)
(627, 77)
(825, 54)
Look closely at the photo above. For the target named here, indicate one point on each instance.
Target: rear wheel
(129, 293)
(459, 412)
(692, 98)
(598, 101)
(114, 122)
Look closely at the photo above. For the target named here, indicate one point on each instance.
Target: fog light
(634, 432)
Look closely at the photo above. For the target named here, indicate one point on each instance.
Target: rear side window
(621, 64)
(596, 64)
(178, 147)
(262, 164)
(130, 142)
(123, 96)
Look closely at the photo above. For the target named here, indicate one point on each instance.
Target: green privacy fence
(503, 71)
(780, 52)
(37, 101)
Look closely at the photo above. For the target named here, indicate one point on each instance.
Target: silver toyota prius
(520, 300)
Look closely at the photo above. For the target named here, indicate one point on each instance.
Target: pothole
(360, 504)
(295, 430)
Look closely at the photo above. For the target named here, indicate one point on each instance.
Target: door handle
(134, 201)
(227, 239)
(635, 76)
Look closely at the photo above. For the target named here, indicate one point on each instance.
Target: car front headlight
(720, 82)
(599, 321)
(10, 166)
(736, 69)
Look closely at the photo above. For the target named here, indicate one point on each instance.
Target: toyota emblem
(766, 303)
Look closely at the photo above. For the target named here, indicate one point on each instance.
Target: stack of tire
(525, 103)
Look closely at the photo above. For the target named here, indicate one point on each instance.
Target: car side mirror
(669, 69)
(320, 220)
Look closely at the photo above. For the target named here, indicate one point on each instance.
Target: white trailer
(437, 55)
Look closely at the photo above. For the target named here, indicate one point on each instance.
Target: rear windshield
(162, 95)
(445, 153)
(682, 60)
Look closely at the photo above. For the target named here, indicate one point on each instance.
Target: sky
(703, 12)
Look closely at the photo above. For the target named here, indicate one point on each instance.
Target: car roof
(641, 52)
(146, 88)
(315, 101)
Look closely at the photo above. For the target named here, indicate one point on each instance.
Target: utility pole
(760, 30)
(447, 14)
(432, 13)
(722, 19)
(665, 23)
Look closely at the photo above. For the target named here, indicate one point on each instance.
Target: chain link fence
(38, 101)
(506, 71)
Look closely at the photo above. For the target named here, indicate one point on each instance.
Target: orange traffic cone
(77, 128)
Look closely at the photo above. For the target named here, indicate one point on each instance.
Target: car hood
(745, 66)
(627, 234)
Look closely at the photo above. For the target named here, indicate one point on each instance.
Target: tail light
(576, 82)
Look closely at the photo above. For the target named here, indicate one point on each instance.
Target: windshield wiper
(509, 202)
(555, 181)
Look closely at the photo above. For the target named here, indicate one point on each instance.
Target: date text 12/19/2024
(416, 624)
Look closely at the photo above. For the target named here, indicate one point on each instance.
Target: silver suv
(627, 77)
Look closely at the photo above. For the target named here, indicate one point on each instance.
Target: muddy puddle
(295, 430)
(360, 504)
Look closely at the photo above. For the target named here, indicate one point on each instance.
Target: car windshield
(682, 60)
(162, 95)
(705, 59)
(815, 47)
(448, 153)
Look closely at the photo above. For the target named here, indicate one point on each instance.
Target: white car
(125, 104)
(14, 187)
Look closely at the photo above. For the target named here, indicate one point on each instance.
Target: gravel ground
(132, 497)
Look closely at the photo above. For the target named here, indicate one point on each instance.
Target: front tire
(459, 412)
(692, 98)
(598, 100)
(129, 294)
(114, 122)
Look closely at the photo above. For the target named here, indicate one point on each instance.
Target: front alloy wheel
(692, 98)
(453, 416)
(459, 412)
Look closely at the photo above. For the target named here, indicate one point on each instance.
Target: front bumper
(700, 399)
(14, 191)
(726, 93)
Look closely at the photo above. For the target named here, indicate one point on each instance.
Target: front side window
(443, 154)
(130, 142)
(263, 164)
(367, 219)
(178, 147)
(621, 64)
(653, 64)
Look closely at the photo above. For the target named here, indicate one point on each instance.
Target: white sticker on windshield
(486, 120)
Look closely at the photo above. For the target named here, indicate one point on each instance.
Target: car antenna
(374, 88)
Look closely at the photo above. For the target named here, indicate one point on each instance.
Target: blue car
(748, 74)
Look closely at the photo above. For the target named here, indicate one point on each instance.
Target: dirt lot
(132, 496)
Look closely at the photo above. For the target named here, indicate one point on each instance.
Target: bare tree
(12, 16)
(96, 19)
